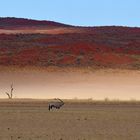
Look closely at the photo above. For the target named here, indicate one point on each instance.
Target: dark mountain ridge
(21, 22)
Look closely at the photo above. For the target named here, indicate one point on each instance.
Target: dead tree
(10, 95)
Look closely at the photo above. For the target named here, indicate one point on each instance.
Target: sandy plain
(76, 120)
(30, 119)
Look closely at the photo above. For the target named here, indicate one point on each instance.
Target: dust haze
(69, 84)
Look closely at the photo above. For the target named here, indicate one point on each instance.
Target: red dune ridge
(112, 47)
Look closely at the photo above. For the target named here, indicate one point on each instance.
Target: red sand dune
(26, 42)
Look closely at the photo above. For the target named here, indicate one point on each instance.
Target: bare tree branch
(12, 91)
(10, 96)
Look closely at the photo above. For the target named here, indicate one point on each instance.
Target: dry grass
(57, 30)
(78, 120)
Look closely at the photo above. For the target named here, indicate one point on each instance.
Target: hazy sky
(76, 12)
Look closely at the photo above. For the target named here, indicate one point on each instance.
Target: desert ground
(89, 118)
(95, 70)
(76, 120)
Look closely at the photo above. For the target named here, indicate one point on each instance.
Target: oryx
(58, 103)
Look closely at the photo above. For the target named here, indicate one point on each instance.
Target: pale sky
(75, 12)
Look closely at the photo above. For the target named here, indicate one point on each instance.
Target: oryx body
(58, 103)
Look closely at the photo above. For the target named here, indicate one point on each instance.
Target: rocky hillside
(100, 47)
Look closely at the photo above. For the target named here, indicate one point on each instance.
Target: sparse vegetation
(98, 47)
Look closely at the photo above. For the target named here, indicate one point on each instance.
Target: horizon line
(111, 25)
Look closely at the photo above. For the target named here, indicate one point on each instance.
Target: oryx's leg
(49, 108)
